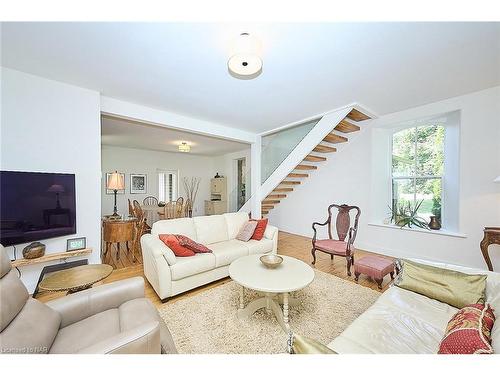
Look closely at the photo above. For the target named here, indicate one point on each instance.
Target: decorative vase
(434, 224)
(34, 250)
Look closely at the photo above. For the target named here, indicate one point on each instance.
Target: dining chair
(170, 210)
(188, 208)
(140, 229)
(139, 214)
(344, 230)
(161, 213)
(179, 212)
(150, 201)
(131, 211)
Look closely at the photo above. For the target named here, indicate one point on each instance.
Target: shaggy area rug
(207, 322)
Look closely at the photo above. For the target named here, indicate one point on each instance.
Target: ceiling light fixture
(184, 147)
(245, 63)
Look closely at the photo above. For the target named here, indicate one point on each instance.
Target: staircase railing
(277, 146)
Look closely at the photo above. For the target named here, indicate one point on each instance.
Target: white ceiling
(124, 133)
(308, 68)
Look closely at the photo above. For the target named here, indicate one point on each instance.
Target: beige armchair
(112, 318)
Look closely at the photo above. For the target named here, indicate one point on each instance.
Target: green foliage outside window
(417, 168)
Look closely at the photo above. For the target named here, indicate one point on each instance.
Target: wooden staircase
(313, 160)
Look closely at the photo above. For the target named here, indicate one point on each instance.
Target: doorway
(241, 183)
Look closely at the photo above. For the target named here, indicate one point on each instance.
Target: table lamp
(115, 182)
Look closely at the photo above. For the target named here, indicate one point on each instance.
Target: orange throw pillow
(173, 243)
(259, 229)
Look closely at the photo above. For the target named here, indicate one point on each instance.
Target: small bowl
(271, 261)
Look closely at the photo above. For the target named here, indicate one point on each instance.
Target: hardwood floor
(288, 244)
(125, 259)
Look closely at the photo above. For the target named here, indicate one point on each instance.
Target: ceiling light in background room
(184, 147)
(245, 62)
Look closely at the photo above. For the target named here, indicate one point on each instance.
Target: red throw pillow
(192, 245)
(173, 243)
(469, 331)
(259, 229)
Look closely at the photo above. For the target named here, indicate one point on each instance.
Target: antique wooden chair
(339, 246)
(150, 201)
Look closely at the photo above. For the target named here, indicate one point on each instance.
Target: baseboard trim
(394, 253)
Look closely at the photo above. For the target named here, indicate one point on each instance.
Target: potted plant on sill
(404, 215)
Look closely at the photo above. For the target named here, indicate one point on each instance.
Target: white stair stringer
(324, 126)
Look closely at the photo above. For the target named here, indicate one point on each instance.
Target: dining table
(151, 212)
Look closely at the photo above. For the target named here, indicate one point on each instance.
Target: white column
(255, 176)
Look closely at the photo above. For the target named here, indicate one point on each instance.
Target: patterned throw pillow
(246, 231)
(260, 229)
(173, 243)
(469, 331)
(192, 245)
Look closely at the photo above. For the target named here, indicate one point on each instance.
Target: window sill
(440, 232)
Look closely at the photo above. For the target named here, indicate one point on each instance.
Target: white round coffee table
(274, 284)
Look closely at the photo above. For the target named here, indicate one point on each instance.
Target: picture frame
(138, 183)
(110, 191)
(78, 243)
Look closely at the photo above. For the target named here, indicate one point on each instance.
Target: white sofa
(170, 275)
(404, 322)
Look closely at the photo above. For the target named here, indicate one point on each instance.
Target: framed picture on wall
(138, 183)
(109, 191)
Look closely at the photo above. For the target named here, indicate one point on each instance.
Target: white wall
(347, 178)
(130, 160)
(47, 126)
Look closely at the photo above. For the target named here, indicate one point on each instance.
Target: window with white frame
(418, 168)
(167, 185)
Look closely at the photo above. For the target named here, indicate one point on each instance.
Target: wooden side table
(491, 236)
(117, 231)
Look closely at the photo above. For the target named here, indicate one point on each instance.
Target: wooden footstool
(375, 267)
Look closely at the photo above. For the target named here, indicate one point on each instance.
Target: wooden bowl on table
(271, 260)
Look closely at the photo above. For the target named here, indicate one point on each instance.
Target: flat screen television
(36, 206)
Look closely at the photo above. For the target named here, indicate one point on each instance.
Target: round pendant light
(245, 63)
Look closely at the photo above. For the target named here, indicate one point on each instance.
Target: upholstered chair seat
(111, 318)
(332, 246)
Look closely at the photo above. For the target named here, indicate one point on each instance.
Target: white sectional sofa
(170, 275)
(403, 322)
